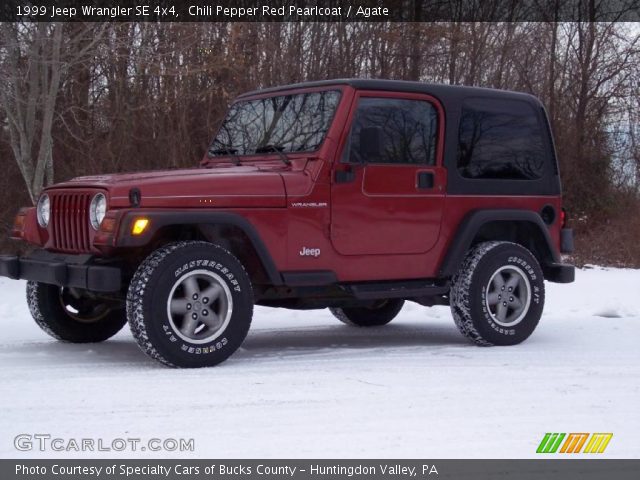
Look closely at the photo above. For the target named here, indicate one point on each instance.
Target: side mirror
(370, 142)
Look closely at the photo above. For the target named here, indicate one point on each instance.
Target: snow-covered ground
(305, 385)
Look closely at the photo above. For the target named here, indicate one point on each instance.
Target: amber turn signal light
(139, 226)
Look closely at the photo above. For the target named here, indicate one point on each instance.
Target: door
(389, 200)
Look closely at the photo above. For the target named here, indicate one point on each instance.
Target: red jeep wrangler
(355, 195)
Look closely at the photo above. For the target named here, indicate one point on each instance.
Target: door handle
(425, 180)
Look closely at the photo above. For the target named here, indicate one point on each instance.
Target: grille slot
(70, 222)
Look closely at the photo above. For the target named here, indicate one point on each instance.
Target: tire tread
(461, 289)
(138, 288)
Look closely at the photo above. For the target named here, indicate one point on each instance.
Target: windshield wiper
(276, 149)
(226, 151)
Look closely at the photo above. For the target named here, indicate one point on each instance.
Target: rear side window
(408, 130)
(500, 140)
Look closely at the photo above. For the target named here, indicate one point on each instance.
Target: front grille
(70, 222)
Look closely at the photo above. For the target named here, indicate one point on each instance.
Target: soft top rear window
(501, 139)
(287, 123)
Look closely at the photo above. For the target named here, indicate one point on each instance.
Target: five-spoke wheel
(497, 296)
(190, 304)
(199, 306)
(508, 296)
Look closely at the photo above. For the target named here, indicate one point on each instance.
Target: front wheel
(74, 315)
(376, 315)
(190, 304)
(497, 296)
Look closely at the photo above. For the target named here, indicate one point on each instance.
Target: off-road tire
(470, 304)
(150, 291)
(375, 316)
(50, 315)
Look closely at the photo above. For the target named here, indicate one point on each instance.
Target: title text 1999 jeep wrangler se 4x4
(350, 194)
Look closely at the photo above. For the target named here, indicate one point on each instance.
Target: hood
(218, 186)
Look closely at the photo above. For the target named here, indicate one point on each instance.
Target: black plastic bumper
(559, 272)
(64, 270)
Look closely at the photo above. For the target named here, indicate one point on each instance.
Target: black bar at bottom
(543, 469)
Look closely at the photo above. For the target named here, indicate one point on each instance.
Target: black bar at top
(320, 10)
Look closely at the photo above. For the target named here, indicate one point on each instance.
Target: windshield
(287, 123)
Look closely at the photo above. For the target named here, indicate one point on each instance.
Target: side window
(408, 130)
(500, 140)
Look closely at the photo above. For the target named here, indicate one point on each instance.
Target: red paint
(380, 226)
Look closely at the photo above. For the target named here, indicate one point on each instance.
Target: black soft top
(452, 98)
(437, 90)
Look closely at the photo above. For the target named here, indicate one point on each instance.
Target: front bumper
(79, 271)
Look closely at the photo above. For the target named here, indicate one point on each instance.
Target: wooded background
(84, 98)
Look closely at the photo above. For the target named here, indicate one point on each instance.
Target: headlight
(43, 210)
(97, 210)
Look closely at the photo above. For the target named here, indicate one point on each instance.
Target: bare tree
(34, 59)
(95, 98)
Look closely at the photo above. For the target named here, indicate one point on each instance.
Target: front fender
(159, 220)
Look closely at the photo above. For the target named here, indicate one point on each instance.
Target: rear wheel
(497, 296)
(190, 304)
(378, 314)
(74, 315)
